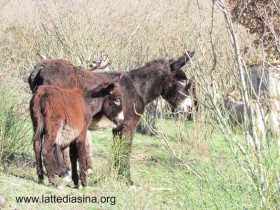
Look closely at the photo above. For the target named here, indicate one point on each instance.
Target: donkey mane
(154, 64)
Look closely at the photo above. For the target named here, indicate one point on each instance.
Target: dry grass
(131, 33)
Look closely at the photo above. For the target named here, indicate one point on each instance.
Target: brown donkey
(62, 117)
(107, 111)
(160, 77)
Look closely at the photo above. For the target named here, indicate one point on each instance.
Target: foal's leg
(48, 148)
(74, 158)
(37, 144)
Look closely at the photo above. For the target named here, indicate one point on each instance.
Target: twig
(263, 182)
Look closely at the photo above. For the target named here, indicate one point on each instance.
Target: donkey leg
(37, 144)
(190, 114)
(66, 159)
(48, 148)
(122, 163)
(82, 158)
(88, 153)
(59, 163)
(74, 158)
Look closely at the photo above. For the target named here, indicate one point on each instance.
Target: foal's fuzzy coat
(62, 117)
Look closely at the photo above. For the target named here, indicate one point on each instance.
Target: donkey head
(177, 91)
(112, 105)
(112, 95)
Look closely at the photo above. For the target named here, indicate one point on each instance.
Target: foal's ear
(190, 84)
(176, 64)
(180, 75)
(101, 91)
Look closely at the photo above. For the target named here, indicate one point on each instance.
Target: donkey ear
(101, 91)
(190, 84)
(95, 64)
(180, 75)
(176, 64)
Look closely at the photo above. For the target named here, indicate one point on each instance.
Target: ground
(162, 181)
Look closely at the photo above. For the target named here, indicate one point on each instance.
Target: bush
(15, 127)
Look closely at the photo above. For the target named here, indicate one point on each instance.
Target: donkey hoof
(60, 187)
(84, 185)
(67, 178)
(89, 171)
(78, 186)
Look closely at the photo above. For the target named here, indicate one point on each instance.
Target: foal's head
(112, 98)
(112, 105)
(177, 91)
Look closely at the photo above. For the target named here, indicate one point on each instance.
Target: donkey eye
(117, 101)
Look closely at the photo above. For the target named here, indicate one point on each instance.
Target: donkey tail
(37, 116)
(34, 79)
(38, 125)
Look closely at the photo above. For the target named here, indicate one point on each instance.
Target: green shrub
(15, 127)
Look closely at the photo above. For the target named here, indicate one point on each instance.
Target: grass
(14, 126)
(130, 33)
(162, 181)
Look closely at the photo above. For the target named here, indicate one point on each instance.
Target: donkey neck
(148, 83)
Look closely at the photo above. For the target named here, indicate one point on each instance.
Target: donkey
(237, 112)
(160, 77)
(61, 73)
(62, 116)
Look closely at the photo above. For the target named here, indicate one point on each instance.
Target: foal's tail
(38, 126)
(36, 115)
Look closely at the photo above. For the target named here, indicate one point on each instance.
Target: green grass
(162, 181)
(85, 30)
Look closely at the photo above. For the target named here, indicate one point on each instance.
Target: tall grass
(131, 33)
(15, 127)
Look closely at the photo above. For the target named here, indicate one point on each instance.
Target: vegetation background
(186, 165)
